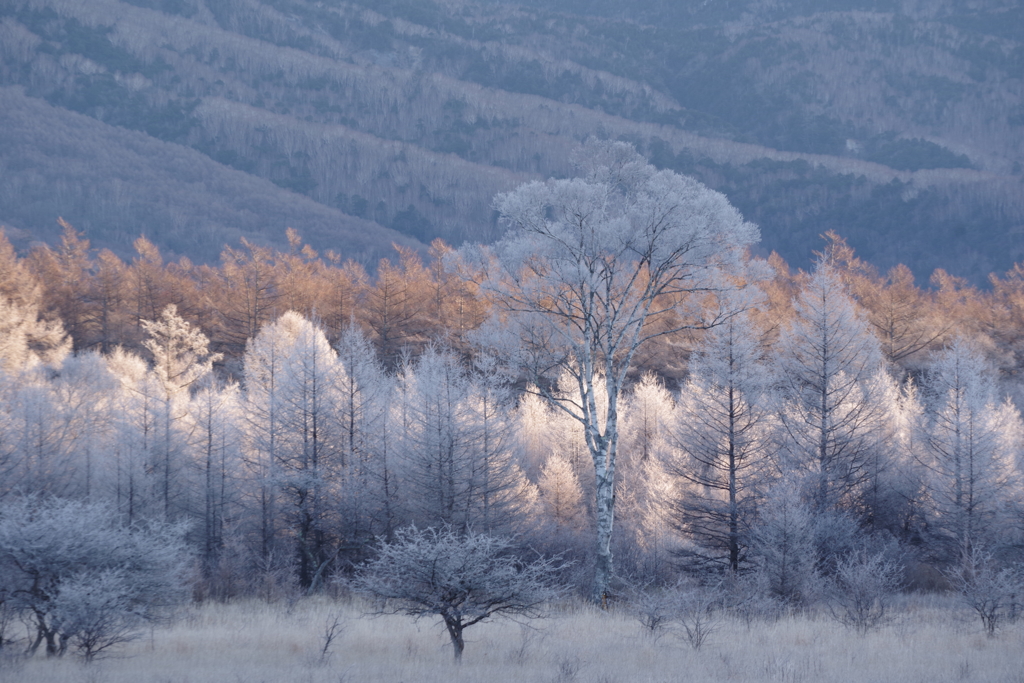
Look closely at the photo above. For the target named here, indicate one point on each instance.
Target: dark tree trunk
(455, 627)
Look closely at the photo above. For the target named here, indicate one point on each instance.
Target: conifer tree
(971, 443)
(834, 425)
(723, 431)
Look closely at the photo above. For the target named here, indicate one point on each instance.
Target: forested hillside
(898, 126)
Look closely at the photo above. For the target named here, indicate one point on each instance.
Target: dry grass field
(257, 643)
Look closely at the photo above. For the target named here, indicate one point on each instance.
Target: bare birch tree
(586, 269)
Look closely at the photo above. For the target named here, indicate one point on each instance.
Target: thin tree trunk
(458, 644)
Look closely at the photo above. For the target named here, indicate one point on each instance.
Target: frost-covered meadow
(254, 642)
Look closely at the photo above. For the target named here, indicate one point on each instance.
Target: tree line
(293, 408)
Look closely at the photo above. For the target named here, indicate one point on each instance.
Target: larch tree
(136, 423)
(292, 379)
(246, 294)
(82, 392)
(439, 440)
(723, 434)
(66, 273)
(500, 493)
(44, 444)
(971, 444)
(590, 269)
(18, 285)
(149, 283)
(62, 419)
(262, 435)
(26, 340)
(834, 424)
(367, 480)
(900, 314)
(645, 494)
(181, 357)
(214, 415)
(903, 316)
(561, 499)
(783, 546)
(109, 296)
(394, 307)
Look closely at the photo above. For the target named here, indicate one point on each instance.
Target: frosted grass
(257, 643)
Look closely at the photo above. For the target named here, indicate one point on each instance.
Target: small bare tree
(95, 611)
(695, 609)
(700, 613)
(862, 590)
(654, 608)
(463, 578)
(987, 588)
(332, 628)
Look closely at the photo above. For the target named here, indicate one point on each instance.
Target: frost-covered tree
(971, 445)
(460, 462)
(988, 587)
(181, 353)
(561, 498)
(835, 425)
(135, 431)
(385, 472)
(43, 455)
(214, 416)
(85, 390)
(181, 357)
(645, 494)
(26, 340)
(462, 578)
(56, 555)
(292, 391)
(550, 447)
(723, 432)
(590, 269)
(862, 590)
(502, 494)
(784, 547)
(263, 420)
(55, 424)
(367, 486)
(438, 446)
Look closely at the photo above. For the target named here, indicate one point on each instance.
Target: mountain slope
(899, 128)
(57, 163)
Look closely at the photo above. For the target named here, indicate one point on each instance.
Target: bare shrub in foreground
(749, 598)
(861, 593)
(332, 628)
(695, 611)
(700, 613)
(987, 588)
(654, 608)
(463, 578)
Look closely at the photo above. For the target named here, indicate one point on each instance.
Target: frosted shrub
(989, 589)
(861, 593)
(463, 578)
(80, 578)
